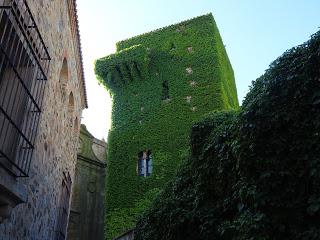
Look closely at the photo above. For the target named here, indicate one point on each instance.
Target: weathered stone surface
(56, 143)
(87, 208)
(129, 235)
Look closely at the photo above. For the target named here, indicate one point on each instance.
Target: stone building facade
(41, 56)
(87, 205)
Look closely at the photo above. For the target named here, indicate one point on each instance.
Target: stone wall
(129, 235)
(58, 132)
(87, 208)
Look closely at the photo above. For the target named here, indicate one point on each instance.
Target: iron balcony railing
(24, 65)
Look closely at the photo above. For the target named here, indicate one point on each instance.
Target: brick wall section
(56, 143)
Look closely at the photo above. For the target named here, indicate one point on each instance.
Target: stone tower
(161, 82)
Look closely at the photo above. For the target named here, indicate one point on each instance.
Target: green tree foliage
(161, 83)
(252, 174)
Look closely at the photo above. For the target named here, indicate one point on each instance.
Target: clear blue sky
(255, 33)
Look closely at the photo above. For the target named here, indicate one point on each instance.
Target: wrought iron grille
(24, 64)
(62, 222)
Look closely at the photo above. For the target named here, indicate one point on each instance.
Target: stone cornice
(74, 24)
(91, 161)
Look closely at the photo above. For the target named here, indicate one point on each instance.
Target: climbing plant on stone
(255, 173)
(161, 82)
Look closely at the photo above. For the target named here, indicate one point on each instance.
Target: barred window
(61, 227)
(24, 64)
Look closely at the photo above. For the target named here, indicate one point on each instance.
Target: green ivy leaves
(252, 174)
(161, 83)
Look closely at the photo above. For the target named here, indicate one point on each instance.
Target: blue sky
(255, 33)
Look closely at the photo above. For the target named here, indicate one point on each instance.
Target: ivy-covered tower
(161, 82)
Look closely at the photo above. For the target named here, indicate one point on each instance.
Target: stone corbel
(5, 212)
(12, 193)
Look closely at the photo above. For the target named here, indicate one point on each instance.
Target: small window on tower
(144, 166)
(165, 90)
(173, 46)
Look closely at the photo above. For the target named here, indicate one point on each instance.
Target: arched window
(64, 208)
(76, 125)
(70, 109)
(64, 76)
(71, 102)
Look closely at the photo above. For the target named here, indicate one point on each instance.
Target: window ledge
(12, 193)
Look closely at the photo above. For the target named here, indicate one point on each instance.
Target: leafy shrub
(252, 174)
